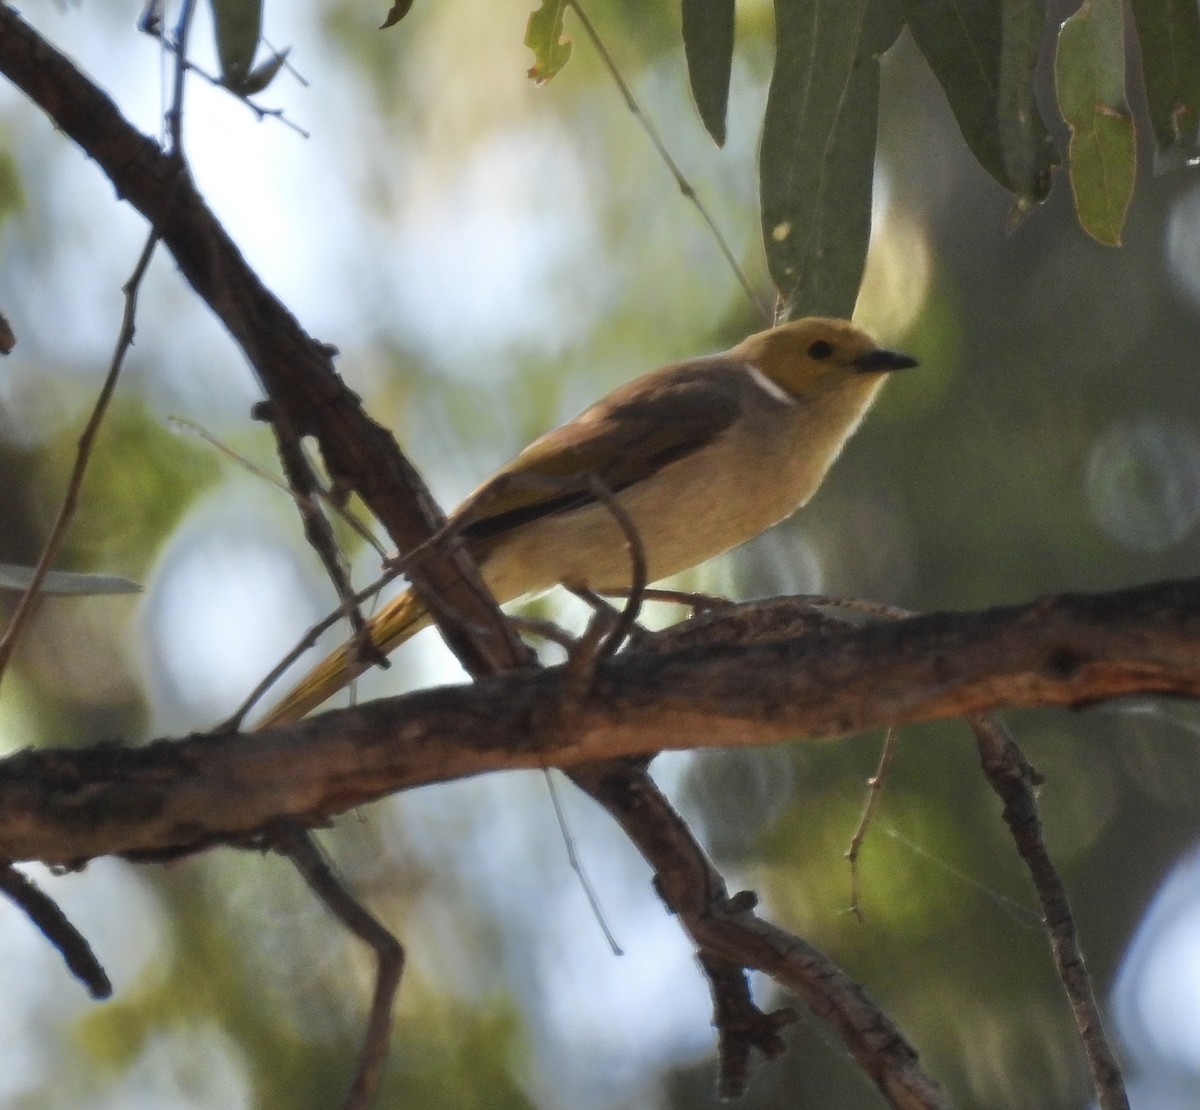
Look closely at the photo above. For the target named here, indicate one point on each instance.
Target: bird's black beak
(881, 361)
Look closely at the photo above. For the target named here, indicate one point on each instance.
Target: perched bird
(702, 455)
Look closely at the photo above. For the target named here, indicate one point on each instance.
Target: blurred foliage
(499, 255)
(11, 194)
(149, 476)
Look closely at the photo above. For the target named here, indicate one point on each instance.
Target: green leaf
(544, 36)
(1089, 72)
(238, 27)
(708, 45)
(396, 13)
(1169, 34)
(261, 75)
(983, 53)
(817, 156)
(64, 582)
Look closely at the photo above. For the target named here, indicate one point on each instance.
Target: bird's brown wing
(625, 438)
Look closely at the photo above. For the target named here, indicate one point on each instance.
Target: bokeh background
(490, 256)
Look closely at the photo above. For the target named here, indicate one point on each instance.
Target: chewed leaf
(708, 45)
(64, 582)
(544, 36)
(1089, 73)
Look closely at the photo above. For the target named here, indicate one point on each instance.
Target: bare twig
(181, 424)
(308, 640)
(874, 792)
(689, 600)
(83, 455)
(44, 912)
(153, 27)
(179, 47)
(303, 851)
(303, 485)
(577, 866)
(1013, 779)
(637, 565)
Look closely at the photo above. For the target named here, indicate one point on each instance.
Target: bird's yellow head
(816, 355)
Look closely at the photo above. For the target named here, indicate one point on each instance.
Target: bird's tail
(389, 628)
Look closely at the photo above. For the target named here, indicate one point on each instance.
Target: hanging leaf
(544, 36)
(1169, 35)
(396, 12)
(1089, 71)
(708, 46)
(64, 582)
(1026, 149)
(818, 148)
(238, 27)
(261, 75)
(983, 53)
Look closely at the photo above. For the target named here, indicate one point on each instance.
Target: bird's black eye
(820, 349)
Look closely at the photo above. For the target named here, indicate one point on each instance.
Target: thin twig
(259, 111)
(303, 81)
(543, 629)
(234, 721)
(1013, 779)
(577, 866)
(181, 424)
(685, 187)
(44, 912)
(303, 485)
(303, 851)
(698, 603)
(637, 566)
(874, 793)
(175, 114)
(1021, 915)
(83, 455)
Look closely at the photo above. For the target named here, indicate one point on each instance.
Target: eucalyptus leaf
(1089, 73)
(544, 36)
(708, 29)
(1169, 36)
(261, 75)
(65, 582)
(238, 27)
(396, 12)
(818, 149)
(983, 53)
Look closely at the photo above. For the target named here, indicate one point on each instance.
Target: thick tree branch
(64, 806)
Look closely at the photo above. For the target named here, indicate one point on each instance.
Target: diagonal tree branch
(295, 369)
